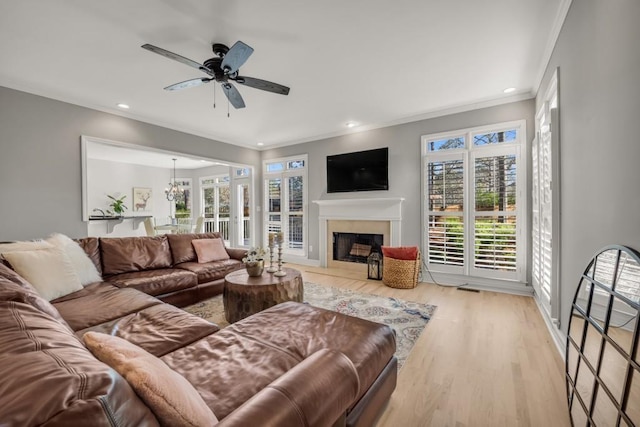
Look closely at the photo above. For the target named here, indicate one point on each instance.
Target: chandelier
(174, 190)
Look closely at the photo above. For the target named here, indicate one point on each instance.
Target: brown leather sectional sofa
(163, 266)
(290, 365)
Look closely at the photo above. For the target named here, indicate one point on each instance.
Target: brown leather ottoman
(244, 295)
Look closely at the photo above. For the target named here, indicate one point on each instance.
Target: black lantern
(374, 261)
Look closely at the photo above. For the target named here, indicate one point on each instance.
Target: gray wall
(40, 169)
(404, 160)
(598, 56)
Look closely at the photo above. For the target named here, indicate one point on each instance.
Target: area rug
(408, 319)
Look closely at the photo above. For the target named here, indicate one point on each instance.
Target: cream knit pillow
(48, 270)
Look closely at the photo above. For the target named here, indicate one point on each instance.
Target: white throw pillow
(23, 246)
(48, 270)
(84, 267)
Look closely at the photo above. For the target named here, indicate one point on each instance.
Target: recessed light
(351, 124)
(509, 90)
(123, 106)
(260, 144)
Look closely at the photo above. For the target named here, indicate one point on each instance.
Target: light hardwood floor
(484, 359)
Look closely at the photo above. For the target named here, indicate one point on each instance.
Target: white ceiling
(372, 62)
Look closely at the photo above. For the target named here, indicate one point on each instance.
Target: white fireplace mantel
(374, 209)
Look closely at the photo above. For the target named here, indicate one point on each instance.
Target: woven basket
(400, 273)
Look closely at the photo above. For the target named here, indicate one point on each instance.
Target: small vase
(255, 268)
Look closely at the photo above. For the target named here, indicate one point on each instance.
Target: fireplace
(360, 216)
(355, 247)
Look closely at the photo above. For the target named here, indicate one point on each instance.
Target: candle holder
(280, 273)
(272, 268)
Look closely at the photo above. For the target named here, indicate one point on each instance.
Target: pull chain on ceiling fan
(223, 68)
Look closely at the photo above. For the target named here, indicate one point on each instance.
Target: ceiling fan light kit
(222, 68)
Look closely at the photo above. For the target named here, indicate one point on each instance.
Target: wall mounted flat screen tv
(359, 171)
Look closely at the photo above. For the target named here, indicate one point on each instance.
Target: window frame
(284, 174)
(469, 154)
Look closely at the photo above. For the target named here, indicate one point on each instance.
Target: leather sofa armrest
(316, 392)
(236, 253)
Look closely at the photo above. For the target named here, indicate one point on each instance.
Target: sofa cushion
(211, 271)
(301, 397)
(170, 396)
(241, 367)
(83, 266)
(158, 329)
(156, 282)
(100, 303)
(208, 250)
(49, 270)
(50, 378)
(248, 355)
(126, 254)
(310, 329)
(181, 247)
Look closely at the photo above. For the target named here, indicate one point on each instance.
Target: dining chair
(199, 227)
(149, 227)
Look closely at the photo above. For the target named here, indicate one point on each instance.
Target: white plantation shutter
(295, 205)
(445, 195)
(536, 274)
(544, 269)
(495, 192)
(274, 202)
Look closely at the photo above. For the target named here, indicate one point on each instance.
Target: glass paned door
(216, 200)
(474, 213)
(243, 215)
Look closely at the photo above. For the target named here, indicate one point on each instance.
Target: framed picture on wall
(142, 199)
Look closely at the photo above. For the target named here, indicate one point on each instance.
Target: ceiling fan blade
(176, 57)
(262, 85)
(237, 55)
(233, 95)
(188, 83)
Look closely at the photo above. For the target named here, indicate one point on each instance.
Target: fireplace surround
(367, 216)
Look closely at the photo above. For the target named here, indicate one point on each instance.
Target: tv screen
(359, 171)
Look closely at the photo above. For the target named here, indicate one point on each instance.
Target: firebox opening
(355, 247)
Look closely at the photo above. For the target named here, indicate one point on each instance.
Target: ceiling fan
(223, 68)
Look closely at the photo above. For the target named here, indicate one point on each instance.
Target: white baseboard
(479, 283)
(558, 337)
(300, 260)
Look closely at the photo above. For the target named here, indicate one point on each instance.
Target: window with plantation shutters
(474, 212)
(285, 201)
(545, 203)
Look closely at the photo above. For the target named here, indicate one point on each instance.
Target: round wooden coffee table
(245, 295)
